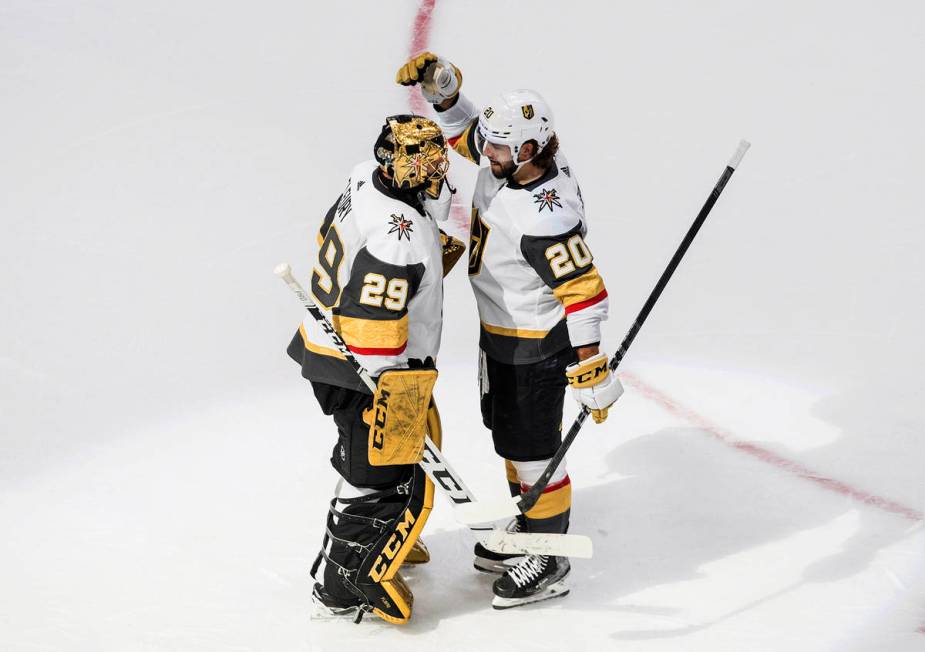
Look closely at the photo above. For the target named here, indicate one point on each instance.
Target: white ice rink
(163, 467)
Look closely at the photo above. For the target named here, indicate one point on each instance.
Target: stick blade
(533, 543)
(477, 512)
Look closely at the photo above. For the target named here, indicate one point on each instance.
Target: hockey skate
(487, 561)
(536, 578)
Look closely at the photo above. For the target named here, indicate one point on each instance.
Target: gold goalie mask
(412, 151)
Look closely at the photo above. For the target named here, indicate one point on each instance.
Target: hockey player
(540, 299)
(378, 277)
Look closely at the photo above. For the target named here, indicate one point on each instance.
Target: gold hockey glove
(439, 79)
(453, 249)
(593, 385)
(396, 435)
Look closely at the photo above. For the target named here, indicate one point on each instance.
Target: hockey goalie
(378, 278)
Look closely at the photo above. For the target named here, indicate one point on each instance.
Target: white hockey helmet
(515, 117)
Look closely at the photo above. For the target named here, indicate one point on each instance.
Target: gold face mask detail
(420, 156)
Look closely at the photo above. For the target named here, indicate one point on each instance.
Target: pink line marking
(767, 456)
(420, 35)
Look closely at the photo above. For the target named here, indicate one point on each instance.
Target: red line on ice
(420, 35)
(767, 456)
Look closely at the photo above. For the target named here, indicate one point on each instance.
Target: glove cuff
(588, 372)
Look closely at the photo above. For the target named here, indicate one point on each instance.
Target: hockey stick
(436, 466)
(475, 512)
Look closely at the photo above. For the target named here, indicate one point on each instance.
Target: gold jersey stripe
(515, 332)
(584, 287)
(372, 333)
(552, 503)
(315, 348)
(461, 143)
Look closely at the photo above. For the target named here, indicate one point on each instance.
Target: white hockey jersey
(533, 276)
(378, 276)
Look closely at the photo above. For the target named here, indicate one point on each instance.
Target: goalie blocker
(398, 414)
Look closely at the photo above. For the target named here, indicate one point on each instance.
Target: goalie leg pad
(399, 415)
(368, 538)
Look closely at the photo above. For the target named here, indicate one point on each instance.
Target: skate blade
(321, 611)
(556, 590)
(495, 567)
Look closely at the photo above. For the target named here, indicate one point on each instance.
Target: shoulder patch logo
(568, 172)
(546, 199)
(401, 225)
(527, 110)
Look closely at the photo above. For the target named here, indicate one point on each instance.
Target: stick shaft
(528, 500)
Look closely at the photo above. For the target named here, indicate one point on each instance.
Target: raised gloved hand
(593, 385)
(440, 80)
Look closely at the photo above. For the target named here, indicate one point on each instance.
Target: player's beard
(505, 171)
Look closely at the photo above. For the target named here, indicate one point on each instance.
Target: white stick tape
(740, 152)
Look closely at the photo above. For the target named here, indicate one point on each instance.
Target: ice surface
(163, 473)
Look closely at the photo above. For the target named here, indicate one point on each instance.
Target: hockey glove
(399, 412)
(439, 79)
(453, 249)
(593, 385)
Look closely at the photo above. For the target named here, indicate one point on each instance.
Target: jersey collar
(550, 174)
(409, 198)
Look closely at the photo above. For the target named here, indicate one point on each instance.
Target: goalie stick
(476, 512)
(439, 470)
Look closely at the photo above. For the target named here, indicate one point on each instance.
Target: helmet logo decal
(488, 112)
(402, 226)
(527, 110)
(547, 199)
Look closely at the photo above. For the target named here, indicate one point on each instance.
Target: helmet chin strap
(519, 164)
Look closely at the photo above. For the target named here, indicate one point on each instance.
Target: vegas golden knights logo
(478, 234)
(527, 110)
